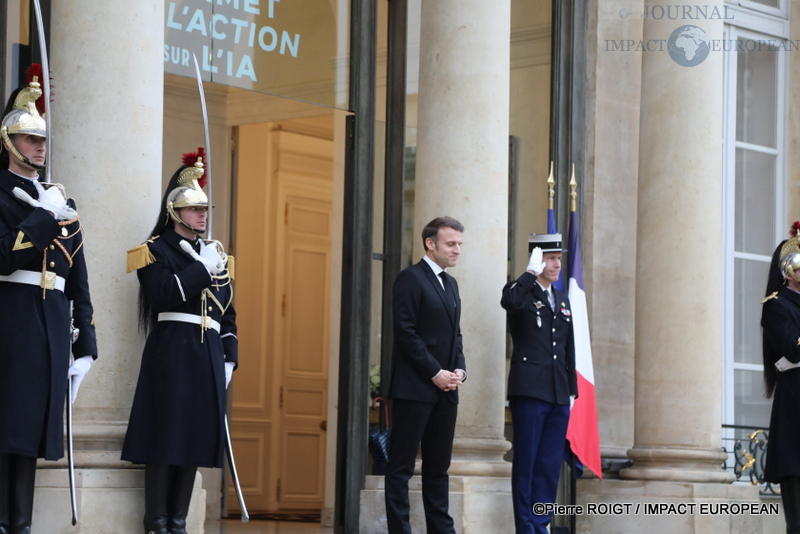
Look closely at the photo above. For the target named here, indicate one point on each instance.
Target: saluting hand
(536, 265)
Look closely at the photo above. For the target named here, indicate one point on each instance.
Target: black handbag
(379, 437)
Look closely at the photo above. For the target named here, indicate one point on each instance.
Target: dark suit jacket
(543, 360)
(427, 335)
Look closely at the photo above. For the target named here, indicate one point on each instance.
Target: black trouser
(790, 495)
(431, 425)
(17, 480)
(167, 494)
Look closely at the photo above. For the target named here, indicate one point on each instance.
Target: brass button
(554, 343)
(525, 359)
(52, 264)
(554, 329)
(555, 356)
(52, 247)
(210, 308)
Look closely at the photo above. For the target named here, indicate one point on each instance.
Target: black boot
(180, 495)
(5, 493)
(156, 488)
(790, 495)
(22, 472)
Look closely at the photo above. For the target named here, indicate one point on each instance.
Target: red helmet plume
(794, 229)
(190, 158)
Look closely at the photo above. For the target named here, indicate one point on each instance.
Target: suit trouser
(433, 426)
(540, 432)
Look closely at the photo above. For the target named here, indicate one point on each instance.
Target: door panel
(285, 197)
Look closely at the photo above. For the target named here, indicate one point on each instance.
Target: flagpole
(551, 185)
(573, 186)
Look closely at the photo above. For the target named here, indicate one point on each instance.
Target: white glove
(211, 256)
(52, 200)
(536, 264)
(204, 257)
(228, 373)
(571, 401)
(77, 372)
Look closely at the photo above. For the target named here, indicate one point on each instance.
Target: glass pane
(770, 3)
(751, 408)
(296, 50)
(755, 202)
(756, 95)
(376, 326)
(750, 283)
(409, 181)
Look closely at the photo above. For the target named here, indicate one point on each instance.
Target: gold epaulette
(773, 296)
(231, 267)
(140, 256)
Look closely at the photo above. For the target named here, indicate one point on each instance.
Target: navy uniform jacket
(427, 334)
(543, 360)
(35, 331)
(780, 319)
(179, 405)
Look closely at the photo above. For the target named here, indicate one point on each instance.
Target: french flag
(582, 433)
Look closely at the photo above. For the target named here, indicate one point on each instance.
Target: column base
(479, 457)
(698, 508)
(677, 465)
(109, 501)
(478, 505)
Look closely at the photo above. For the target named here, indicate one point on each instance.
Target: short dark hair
(432, 228)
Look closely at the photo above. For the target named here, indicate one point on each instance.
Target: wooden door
(285, 191)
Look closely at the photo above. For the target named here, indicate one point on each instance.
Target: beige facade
(652, 204)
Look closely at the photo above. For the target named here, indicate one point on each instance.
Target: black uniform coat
(179, 405)
(427, 335)
(780, 319)
(543, 360)
(34, 331)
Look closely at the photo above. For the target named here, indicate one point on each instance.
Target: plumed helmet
(24, 117)
(790, 253)
(188, 191)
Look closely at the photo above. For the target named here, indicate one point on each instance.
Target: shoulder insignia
(231, 267)
(770, 297)
(140, 256)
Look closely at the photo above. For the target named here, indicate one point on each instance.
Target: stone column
(462, 171)
(107, 115)
(678, 262)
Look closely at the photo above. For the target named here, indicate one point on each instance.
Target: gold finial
(573, 185)
(551, 184)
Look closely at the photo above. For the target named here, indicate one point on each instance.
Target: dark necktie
(447, 288)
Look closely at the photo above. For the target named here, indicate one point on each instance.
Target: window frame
(748, 28)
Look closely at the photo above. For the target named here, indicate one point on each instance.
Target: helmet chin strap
(174, 217)
(13, 150)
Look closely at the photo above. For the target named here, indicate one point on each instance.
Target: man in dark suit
(542, 383)
(427, 369)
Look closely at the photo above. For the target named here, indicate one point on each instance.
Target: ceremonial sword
(48, 178)
(228, 445)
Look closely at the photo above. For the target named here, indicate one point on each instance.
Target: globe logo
(688, 46)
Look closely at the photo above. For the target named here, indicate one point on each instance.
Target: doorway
(284, 230)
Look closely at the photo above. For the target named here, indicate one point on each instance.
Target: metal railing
(747, 455)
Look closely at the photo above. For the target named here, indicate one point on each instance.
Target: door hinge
(280, 400)
(286, 214)
(278, 491)
(283, 307)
